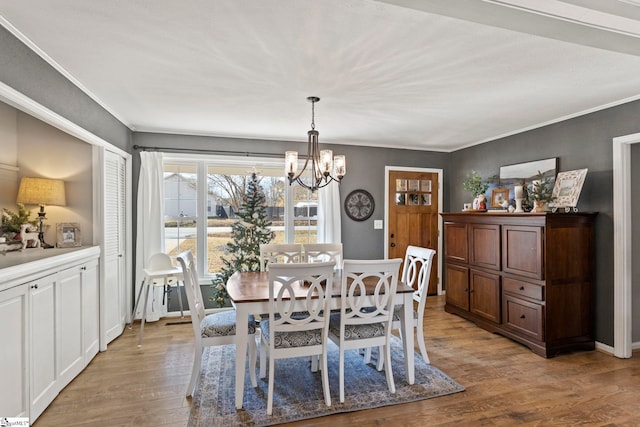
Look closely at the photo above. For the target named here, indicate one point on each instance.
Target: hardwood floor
(506, 384)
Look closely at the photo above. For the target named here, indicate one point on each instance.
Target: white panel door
(14, 361)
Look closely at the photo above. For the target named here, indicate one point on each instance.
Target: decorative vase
(539, 206)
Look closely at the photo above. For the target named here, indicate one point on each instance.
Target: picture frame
(498, 197)
(68, 235)
(567, 188)
(525, 173)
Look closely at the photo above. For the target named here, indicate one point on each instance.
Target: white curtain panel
(150, 228)
(329, 224)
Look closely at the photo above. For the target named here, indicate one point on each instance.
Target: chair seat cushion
(223, 324)
(396, 313)
(292, 339)
(355, 332)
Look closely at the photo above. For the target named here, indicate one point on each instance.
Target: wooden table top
(254, 287)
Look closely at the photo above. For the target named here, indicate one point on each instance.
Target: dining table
(249, 294)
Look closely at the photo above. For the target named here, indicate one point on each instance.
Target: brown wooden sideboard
(529, 277)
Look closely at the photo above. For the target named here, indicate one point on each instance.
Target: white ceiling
(422, 74)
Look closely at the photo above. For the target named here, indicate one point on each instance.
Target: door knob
(393, 245)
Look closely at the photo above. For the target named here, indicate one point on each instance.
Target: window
(203, 194)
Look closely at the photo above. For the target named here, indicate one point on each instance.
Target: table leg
(242, 332)
(407, 336)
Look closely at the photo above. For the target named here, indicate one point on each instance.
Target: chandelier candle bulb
(340, 165)
(290, 162)
(326, 161)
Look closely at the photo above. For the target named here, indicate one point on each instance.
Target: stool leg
(135, 307)
(179, 298)
(144, 312)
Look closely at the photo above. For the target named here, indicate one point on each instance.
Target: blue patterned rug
(298, 391)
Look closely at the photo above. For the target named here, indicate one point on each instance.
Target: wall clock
(359, 205)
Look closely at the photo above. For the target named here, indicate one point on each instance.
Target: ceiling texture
(420, 74)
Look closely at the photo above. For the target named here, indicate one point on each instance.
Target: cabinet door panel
(44, 385)
(455, 242)
(90, 310)
(484, 295)
(484, 245)
(524, 317)
(14, 371)
(522, 251)
(69, 315)
(457, 282)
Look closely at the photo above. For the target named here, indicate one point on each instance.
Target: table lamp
(41, 191)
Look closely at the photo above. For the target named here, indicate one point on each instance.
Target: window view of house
(205, 194)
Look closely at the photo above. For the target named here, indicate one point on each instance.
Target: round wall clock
(359, 205)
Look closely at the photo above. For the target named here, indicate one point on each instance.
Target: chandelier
(323, 165)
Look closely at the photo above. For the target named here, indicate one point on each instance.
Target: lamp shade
(41, 191)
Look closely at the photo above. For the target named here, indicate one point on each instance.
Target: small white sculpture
(25, 236)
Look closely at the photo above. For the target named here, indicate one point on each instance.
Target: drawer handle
(522, 288)
(34, 286)
(522, 316)
(83, 268)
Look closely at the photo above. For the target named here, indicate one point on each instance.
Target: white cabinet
(52, 307)
(14, 360)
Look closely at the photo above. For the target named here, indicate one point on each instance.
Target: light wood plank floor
(506, 384)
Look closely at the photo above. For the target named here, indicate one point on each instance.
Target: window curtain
(329, 224)
(150, 228)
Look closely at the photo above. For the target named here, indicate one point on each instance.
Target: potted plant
(477, 187)
(541, 193)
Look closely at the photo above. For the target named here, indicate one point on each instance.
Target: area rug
(298, 391)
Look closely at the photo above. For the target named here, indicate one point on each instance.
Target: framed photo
(68, 235)
(567, 188)
(498, 196)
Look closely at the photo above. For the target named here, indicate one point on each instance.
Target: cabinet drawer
(524, 317)
(522, 288)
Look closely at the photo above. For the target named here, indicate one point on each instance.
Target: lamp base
(43, 244)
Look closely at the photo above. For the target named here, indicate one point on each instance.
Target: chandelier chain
(313, 115)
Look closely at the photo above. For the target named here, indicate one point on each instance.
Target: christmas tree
(248, 232)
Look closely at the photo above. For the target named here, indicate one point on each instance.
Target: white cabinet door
(69, 330)
(114, 301)
(90, 310)
(14, 365)
(43, 373)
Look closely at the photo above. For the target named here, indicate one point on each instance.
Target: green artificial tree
(250, 231)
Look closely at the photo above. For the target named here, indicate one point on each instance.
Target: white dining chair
(365, 317)
(279, 253)
(416, 273)
(213, 329)
(321, 252)
(289, 332)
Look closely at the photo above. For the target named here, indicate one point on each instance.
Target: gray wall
(23, 70)
(583, 142)
(365, 169)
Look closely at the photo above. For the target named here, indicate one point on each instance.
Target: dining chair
(365, 316)
(416, 273)
(289, 332)
(279, 253)
(319, 252)
(212, 329)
